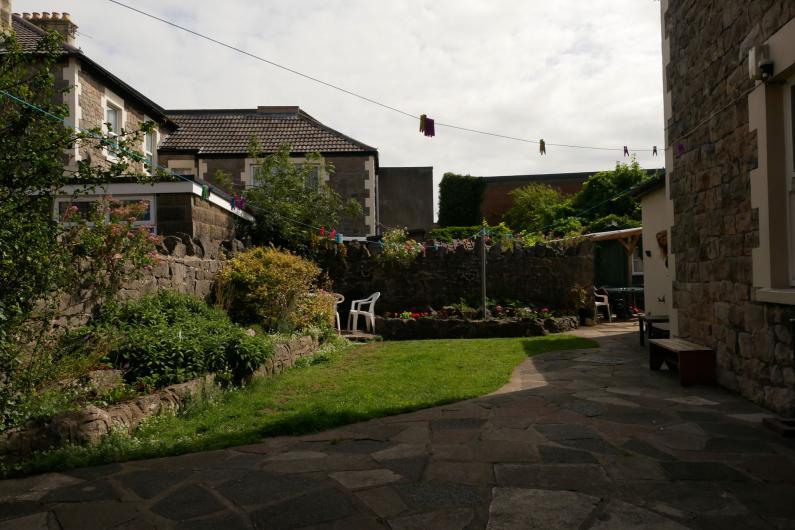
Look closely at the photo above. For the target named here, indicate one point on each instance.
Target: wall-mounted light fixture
(760, 66)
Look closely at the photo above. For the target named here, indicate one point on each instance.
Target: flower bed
(457, 328)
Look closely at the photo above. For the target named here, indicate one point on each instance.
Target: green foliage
(460, 197)
(168, 338)
(604, 203)
(40, 259)
(605, 193)
(450, 233)
(288, 198)
(223, 180)
(399, 248)
(535, 208)
(268, 286)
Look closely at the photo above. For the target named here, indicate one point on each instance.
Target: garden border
(425, 328)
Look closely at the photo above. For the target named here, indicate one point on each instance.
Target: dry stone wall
(714, 228)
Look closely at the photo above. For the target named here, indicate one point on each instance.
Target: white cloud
(570, 71)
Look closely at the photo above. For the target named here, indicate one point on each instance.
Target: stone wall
(405, 197)
(715, 229)
(351, 180)
(541, 276)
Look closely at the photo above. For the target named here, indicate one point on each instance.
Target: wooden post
(630, 245)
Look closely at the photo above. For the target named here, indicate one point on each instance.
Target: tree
(536, 206)
(460, 197)
(290, 199)
(605, 193)
(41, 258)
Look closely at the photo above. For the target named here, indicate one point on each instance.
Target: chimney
(59, 22)
(5, 16)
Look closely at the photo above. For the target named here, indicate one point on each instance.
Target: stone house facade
(96, 98)
(729, 78)
(208, 141)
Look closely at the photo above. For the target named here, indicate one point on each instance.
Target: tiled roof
(28, 35)
(230, 131)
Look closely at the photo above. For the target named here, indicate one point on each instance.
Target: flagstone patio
(579, 439)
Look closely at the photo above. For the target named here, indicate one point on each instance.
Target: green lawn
(354, 384)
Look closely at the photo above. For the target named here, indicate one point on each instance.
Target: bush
(270, 287)
(460, 197)
(168, 338)
(399, 248)
(448, 234)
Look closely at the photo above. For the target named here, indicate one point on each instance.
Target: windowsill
(775, 296)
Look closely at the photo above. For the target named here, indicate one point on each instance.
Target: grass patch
(336, 387)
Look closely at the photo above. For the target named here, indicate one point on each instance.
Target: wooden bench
(653, 332)
(695, 363)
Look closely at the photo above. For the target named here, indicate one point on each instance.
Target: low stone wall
(538, 275)
(89, 425)
(433, 328)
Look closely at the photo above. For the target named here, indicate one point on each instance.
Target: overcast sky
(582, 72)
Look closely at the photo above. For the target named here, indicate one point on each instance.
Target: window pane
(119, 213)
(150, 143)
(313, 178)
(112, 118)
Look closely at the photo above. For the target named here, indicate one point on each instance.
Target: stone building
(96, 98)
(405, 198)
(207, 141)
(729, 77)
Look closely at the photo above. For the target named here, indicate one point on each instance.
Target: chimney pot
(5, 16)
(59, 22)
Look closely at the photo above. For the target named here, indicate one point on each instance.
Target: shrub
(459, 199)
(268, 286)
(169, 338)
(448, 234)
(399, 248)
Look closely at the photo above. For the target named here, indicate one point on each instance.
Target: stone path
(579, 439)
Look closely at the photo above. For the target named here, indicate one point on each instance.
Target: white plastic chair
(363, 308)
(601, 300)
(338, 299)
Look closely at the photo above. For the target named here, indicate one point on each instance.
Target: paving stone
(316, 507)
(460, 472)
(694, 401)
(588, 478)
(438, 520)
(354, 480)
(260, 487)
(598, 446)
(491, 432)
(772, 468)
(641, 447)
(37, 521)
(414, 434)
(619, 402)
(411, 468)
(631, 467)
(585, 408)
(560, 455)
(767, 500)
(454, 436)
(359, 446)
(503, 451)
(557, 432)
(227, 521)
(33, 488)
(186, 503)
(401, 451)
(384, 502)
(431, 495)
(354, 522)
(151, 482)
(522, 509)
(706, 471)
(13, 510)
(457, 423)
(678, 440)
(737, 445)
(96, 490)
(689, 497)
(295, 455)
(95, 515)
(619, 514)
(601, 360)
(90, 473)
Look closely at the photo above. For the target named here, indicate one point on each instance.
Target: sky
(583, 72)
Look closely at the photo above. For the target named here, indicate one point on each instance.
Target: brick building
(207, 141)
(729, 70)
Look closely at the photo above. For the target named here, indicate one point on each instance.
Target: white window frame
(111, 100)
(149, 166)
(152, 199)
